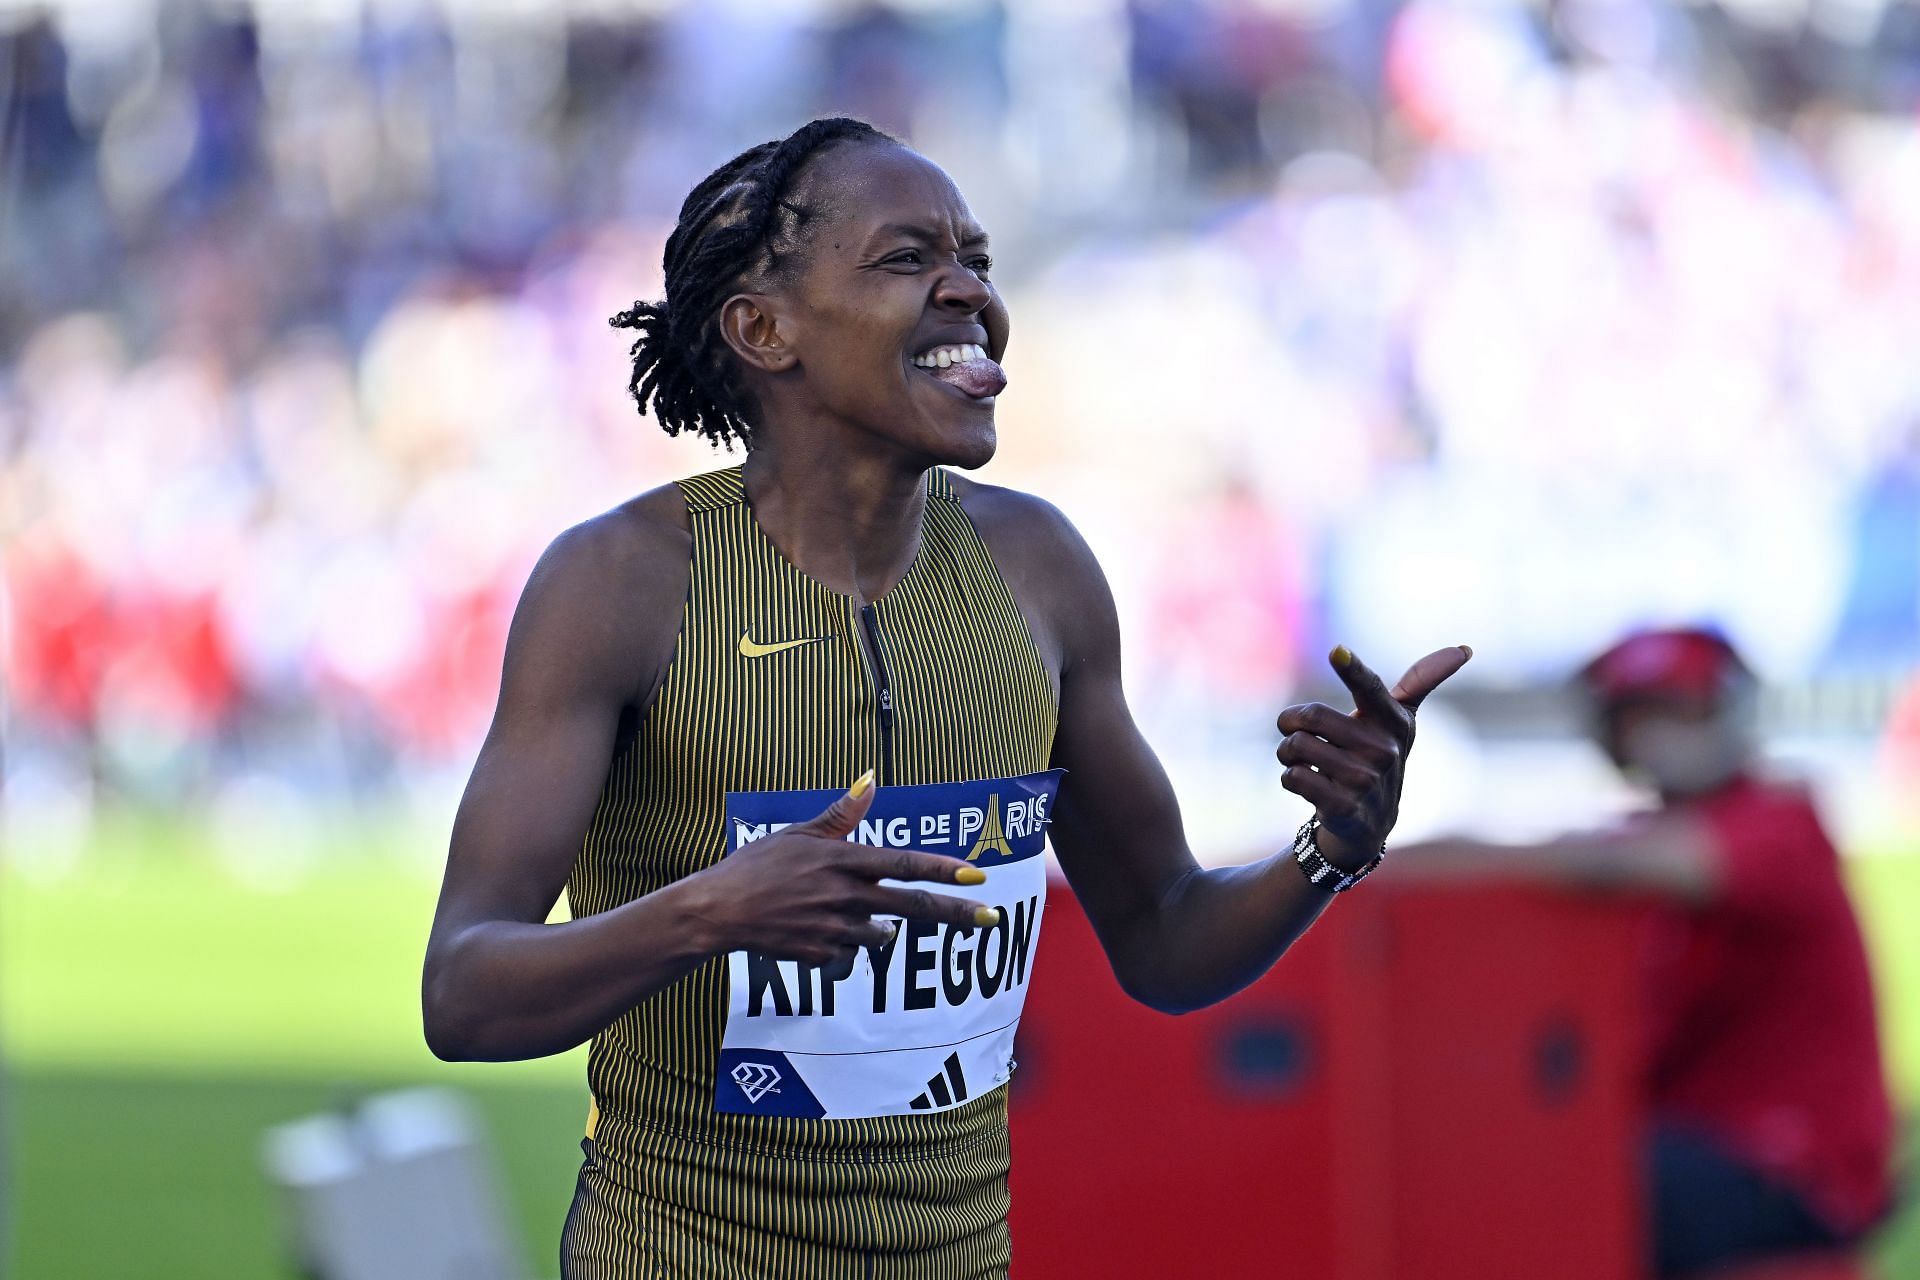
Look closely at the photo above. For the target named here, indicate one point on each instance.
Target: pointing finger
(1369, 691)
(1426, 675)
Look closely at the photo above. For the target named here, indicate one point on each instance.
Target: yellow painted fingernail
(1342, 656)
(969, 875)
(987, 917)
(861, 785)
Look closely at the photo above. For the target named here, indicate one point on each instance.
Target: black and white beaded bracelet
(1306, 853)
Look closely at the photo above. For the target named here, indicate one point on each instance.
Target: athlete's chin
(952, 429)
(967, 444)
(973, 447)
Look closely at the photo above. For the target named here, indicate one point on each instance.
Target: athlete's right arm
(591, 639)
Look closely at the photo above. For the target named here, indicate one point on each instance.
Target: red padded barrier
(1434, 1084)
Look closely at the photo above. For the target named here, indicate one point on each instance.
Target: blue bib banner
(927, 1021)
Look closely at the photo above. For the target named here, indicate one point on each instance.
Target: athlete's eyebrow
(970, 236)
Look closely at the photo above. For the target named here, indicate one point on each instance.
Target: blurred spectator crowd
(1397, 323)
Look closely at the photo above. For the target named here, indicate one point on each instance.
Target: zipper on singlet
(872, 621)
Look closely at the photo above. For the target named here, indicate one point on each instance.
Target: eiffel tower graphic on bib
(993, 837)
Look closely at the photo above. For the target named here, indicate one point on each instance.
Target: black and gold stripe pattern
(671, 1187)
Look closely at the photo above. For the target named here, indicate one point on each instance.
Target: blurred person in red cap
(1770, 1128)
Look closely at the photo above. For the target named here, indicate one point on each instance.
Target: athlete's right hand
(808, 893)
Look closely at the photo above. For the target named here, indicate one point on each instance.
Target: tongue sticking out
(978, 378)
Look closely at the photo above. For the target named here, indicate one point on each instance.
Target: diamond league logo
(756, 1080)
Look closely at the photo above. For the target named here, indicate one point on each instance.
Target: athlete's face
(896, 272)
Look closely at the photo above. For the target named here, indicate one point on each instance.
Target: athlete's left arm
(1180, 937)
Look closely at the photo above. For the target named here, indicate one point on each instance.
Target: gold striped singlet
(770, 689)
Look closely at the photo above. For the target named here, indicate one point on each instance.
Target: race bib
(927, 1021)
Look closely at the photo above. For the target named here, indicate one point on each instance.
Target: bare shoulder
(1054, 575)
(605, 597)
(1027, 523)
(628, 554)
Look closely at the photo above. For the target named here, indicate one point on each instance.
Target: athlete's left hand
(1351, 764)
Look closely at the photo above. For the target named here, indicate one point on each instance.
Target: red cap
(1667, 662)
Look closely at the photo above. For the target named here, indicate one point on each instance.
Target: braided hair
(738, 224)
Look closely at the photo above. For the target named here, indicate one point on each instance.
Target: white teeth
(943, 357)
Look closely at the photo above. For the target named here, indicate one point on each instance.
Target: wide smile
(963, 370)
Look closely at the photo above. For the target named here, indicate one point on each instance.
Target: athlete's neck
(849, 520)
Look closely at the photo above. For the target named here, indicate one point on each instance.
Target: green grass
(157, 1015)
(154, 1177)
(155, 958)
(1886, 893)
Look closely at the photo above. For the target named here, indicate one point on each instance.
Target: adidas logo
(946, 1088)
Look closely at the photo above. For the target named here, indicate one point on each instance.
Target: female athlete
(801, 995)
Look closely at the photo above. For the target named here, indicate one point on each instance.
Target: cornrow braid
(737, 224)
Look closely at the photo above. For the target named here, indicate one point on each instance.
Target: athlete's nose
(960, 290)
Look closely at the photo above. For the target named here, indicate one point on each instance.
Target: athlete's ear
(751, 325)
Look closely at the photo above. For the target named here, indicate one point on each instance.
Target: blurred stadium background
(1393, 323)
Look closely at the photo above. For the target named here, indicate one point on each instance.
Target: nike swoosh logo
(751, 648)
